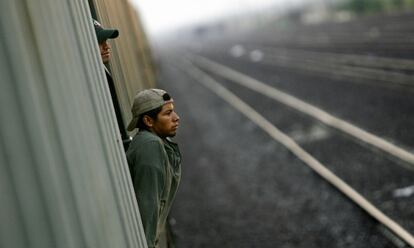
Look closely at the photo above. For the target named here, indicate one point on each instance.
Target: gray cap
(145, 101)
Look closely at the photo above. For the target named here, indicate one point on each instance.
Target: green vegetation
(374, 6)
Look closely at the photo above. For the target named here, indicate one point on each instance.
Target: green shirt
(155, 166)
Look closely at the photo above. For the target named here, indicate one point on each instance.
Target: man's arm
(149, 183)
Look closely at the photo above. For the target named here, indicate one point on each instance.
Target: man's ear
(148, 121)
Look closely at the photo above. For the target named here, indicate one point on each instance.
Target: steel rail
(340, 58)
(306, 108)
(339, 68)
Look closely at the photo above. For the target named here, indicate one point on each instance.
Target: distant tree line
(373, 6)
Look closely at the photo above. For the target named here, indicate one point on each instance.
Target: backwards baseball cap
(145, 101)
(103, 34)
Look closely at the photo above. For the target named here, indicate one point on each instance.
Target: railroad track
(359, 68)
(372, 50)
(383, 35)
(355, 60)
(206, 72)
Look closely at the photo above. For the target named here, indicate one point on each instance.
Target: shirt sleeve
(148, 183)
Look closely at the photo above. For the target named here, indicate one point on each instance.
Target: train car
(64, 179)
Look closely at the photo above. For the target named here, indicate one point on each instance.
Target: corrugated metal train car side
(64, 180)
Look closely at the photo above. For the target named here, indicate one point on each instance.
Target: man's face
(105, 49)
(167, 122)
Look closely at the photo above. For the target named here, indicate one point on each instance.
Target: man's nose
(106, 45)
(176, 117)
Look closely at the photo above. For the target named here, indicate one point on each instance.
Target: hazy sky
(161, 15)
